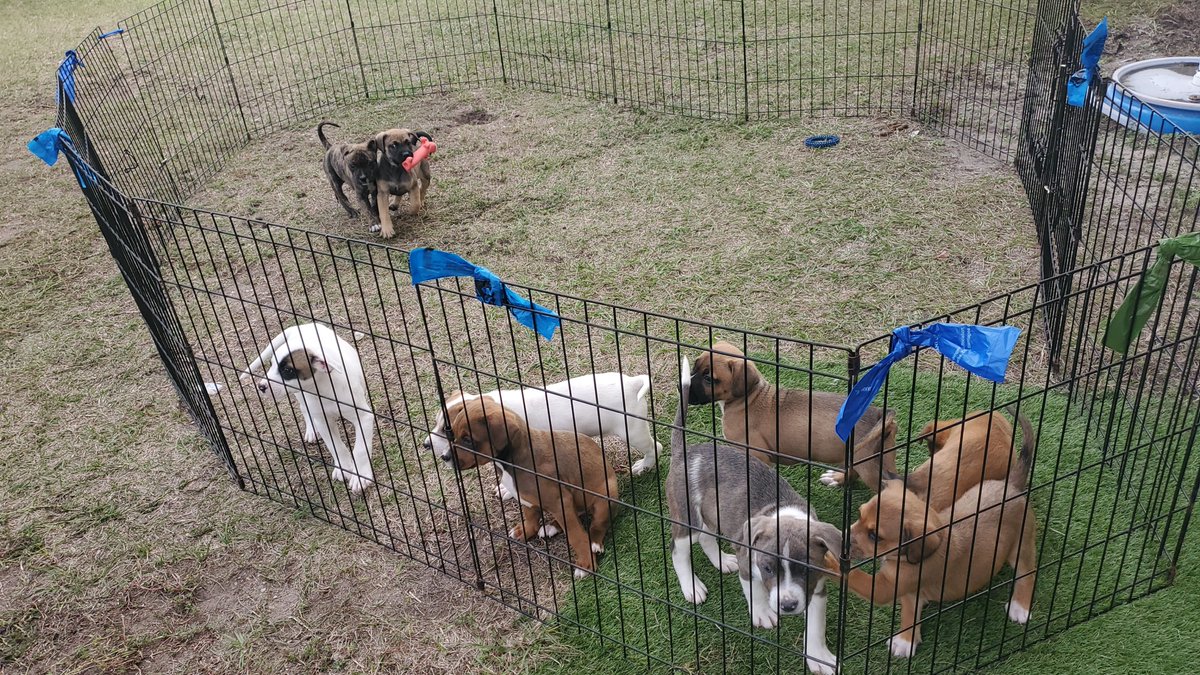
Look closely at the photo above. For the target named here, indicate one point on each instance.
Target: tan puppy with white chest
(561, 473)
(939, 555)
(752, 411)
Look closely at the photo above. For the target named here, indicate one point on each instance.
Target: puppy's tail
(257, 364)
(641, 394)
(1018, 475)
(681, 414)
(321, 133)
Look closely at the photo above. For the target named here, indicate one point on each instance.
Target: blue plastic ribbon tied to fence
(427, 264)
(982, 350)
(46, 147)
(1093, 47)
(66, 73)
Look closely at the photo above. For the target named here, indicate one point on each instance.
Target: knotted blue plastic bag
(66, 74)
(46, 147)
(1093, 47)
(982, 350)
(426, 264)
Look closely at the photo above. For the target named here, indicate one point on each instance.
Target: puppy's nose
(427, 443)
(263, 387)
(788, 605)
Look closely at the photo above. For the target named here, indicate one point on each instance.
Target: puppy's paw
(728, 563)
(901, 647)
(642, 466)
(1018, 613)
(336, 475)
(597, 547)
(246, 377)
(821, 662)
(694, 591)
(518, 532)
(388, 233)
(764, 617)
(310, 436)
(581, 573)
(833, 478)
(357, 484)
(374, 228)
(503, 493)
(548, 530)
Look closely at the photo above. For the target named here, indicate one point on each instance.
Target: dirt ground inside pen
(124, 547)
(715, 222)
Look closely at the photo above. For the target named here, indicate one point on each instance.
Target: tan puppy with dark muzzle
(932, 555)
(805, 420)
(561, 473)
(395, 146)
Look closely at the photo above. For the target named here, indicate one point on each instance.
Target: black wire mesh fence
(363, 422)
(179, 87)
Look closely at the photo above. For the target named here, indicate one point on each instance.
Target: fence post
(612, 55)
(362, 71)
(237, 96)
(745, 68)
(853, 367)
(458, 479)
(917, 62)
(499, 42)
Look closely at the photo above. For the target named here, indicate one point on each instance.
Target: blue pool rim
(1124, 108)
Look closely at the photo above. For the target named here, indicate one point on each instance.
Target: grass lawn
(1076, 501)
(124, 546)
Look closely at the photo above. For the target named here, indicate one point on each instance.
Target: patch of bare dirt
(1170, 31)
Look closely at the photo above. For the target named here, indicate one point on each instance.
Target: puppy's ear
(373, 145)
(824, 537)
(505, 431)
(317, 364)
(743, 376)
(918, 548)
(457, 419)
(422, 134)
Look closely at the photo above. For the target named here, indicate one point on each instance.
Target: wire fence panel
(571, 478)
(971, 69)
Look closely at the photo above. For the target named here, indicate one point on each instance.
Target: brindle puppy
(352, 164)
(395, 146)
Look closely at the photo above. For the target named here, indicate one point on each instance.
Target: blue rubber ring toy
(822, 141)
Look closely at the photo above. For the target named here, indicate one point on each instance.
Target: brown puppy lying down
(804, 425)
(562, 473)
(933, 555)
(962, 454)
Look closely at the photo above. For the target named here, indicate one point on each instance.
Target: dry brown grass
(124, 546)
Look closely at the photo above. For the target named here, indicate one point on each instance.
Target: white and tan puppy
(322, 370)
(603, 404)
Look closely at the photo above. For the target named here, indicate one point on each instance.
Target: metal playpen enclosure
(154, 109)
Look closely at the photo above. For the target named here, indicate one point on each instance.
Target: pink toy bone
(428, 147)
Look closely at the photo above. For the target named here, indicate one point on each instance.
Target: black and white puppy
(781, 544)
(322, 370)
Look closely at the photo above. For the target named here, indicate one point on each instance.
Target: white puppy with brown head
(323, 372)
(600, 404)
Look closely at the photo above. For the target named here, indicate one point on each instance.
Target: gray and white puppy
(719, 490)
